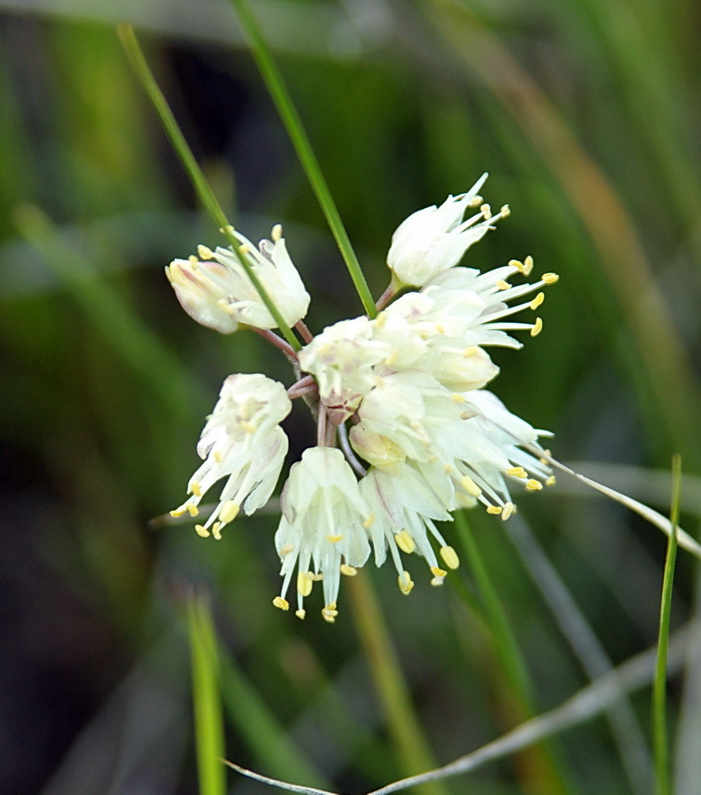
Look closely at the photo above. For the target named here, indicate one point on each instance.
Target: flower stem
(194, 172)
(661, 749)
(300, 141)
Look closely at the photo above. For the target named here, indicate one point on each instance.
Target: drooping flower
(435, 239)
(217, 292)
(323, 529)
(241, 441)
(404, 511)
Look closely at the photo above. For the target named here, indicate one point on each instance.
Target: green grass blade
(661, 746)
(507, 650)
(300, 141)
(392, 689)
(209, 725)
(262, 731)
(193, 170)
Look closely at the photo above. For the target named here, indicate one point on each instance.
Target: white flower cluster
(403, 391)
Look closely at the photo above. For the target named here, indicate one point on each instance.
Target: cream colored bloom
(322, 532)
(218, 293)
(435, 239)
(241, 441)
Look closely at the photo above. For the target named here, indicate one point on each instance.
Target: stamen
(537, 301)
(405, 542)
(550, 278)
(244, 248)
(509, 508)
(486, 211)
(450, 557)
(329, 612)
(505, 211)
(516, 472)
(276, 234)
(551, 481)
(216, 531)
(502, 285)
(528, 265)
(406, 584)
(534, 485)
(201, 531)
(205, 252)
(495, 510)
(438, 572)
(537, 327)
(334, 539)
(304, 583)
(229, 512)
(348, 570)
(195, 488)
(301, 613)
(281, 603)
(470, 486)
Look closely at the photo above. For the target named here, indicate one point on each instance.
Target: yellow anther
(217, 456)
(334, 539)
(405, 542)
(329, 612)
(228, 229)
(178, 512)
(509, 508)
(516, 263)
(534, 485)
(405, 582)
(551, 481)
(201, 531)
(304, 583)
(450, 557)
(301, 613)
(550, 278)
(192, 259)
(392, 358)
(537, 301)
(471, 351)
(516, 472)
(537, 327)
(316, 577)
(216, 531)
(470, 486)
(195, 488)
(495, 510)
(438, 572)
(276, 234)
(229, 512)
(192, 509)
(435, 581)
(440, 328)
(205, 252)
(286, 550)
(502, 285)
(281, 603)
(486, 211)
(456, 397)
(244, 248)
(505, 211)
(475, 201)
(528, 265)
(367, 524)
(247, 426)
(348, 570)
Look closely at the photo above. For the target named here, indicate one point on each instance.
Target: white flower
(342, 359)
(219, 294)
(322, 532)
(435, 239)
(241, 440)
(404, 510)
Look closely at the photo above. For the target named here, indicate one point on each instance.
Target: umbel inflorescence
(406, 430)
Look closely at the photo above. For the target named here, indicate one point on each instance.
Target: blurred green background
(586, 114)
